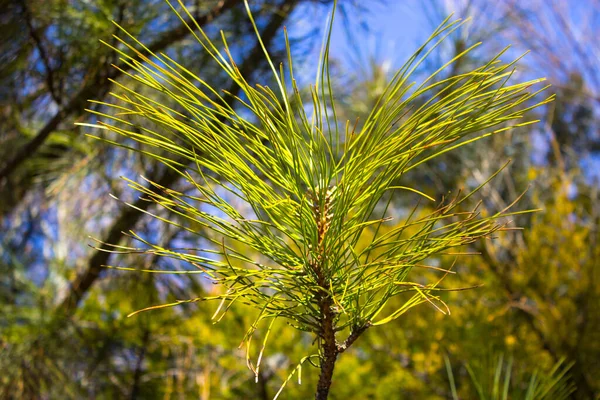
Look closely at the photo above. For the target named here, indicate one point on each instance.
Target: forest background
(63, 326)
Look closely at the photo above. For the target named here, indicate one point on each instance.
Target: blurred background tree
(63, 331)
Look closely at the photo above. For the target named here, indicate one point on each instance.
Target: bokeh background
(63, 327)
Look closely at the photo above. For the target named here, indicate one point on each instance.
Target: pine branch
(311, 189)
(130, 216)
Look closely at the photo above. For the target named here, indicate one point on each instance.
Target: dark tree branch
(96, 87)
(125, 222)
(354, 334)
(33, 33)
(137, 375)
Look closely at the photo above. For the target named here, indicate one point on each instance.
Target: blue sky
(395, 29)
(387, 32)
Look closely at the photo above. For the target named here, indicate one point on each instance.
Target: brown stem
(353, 336)
(327, 343)
(329, 348)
